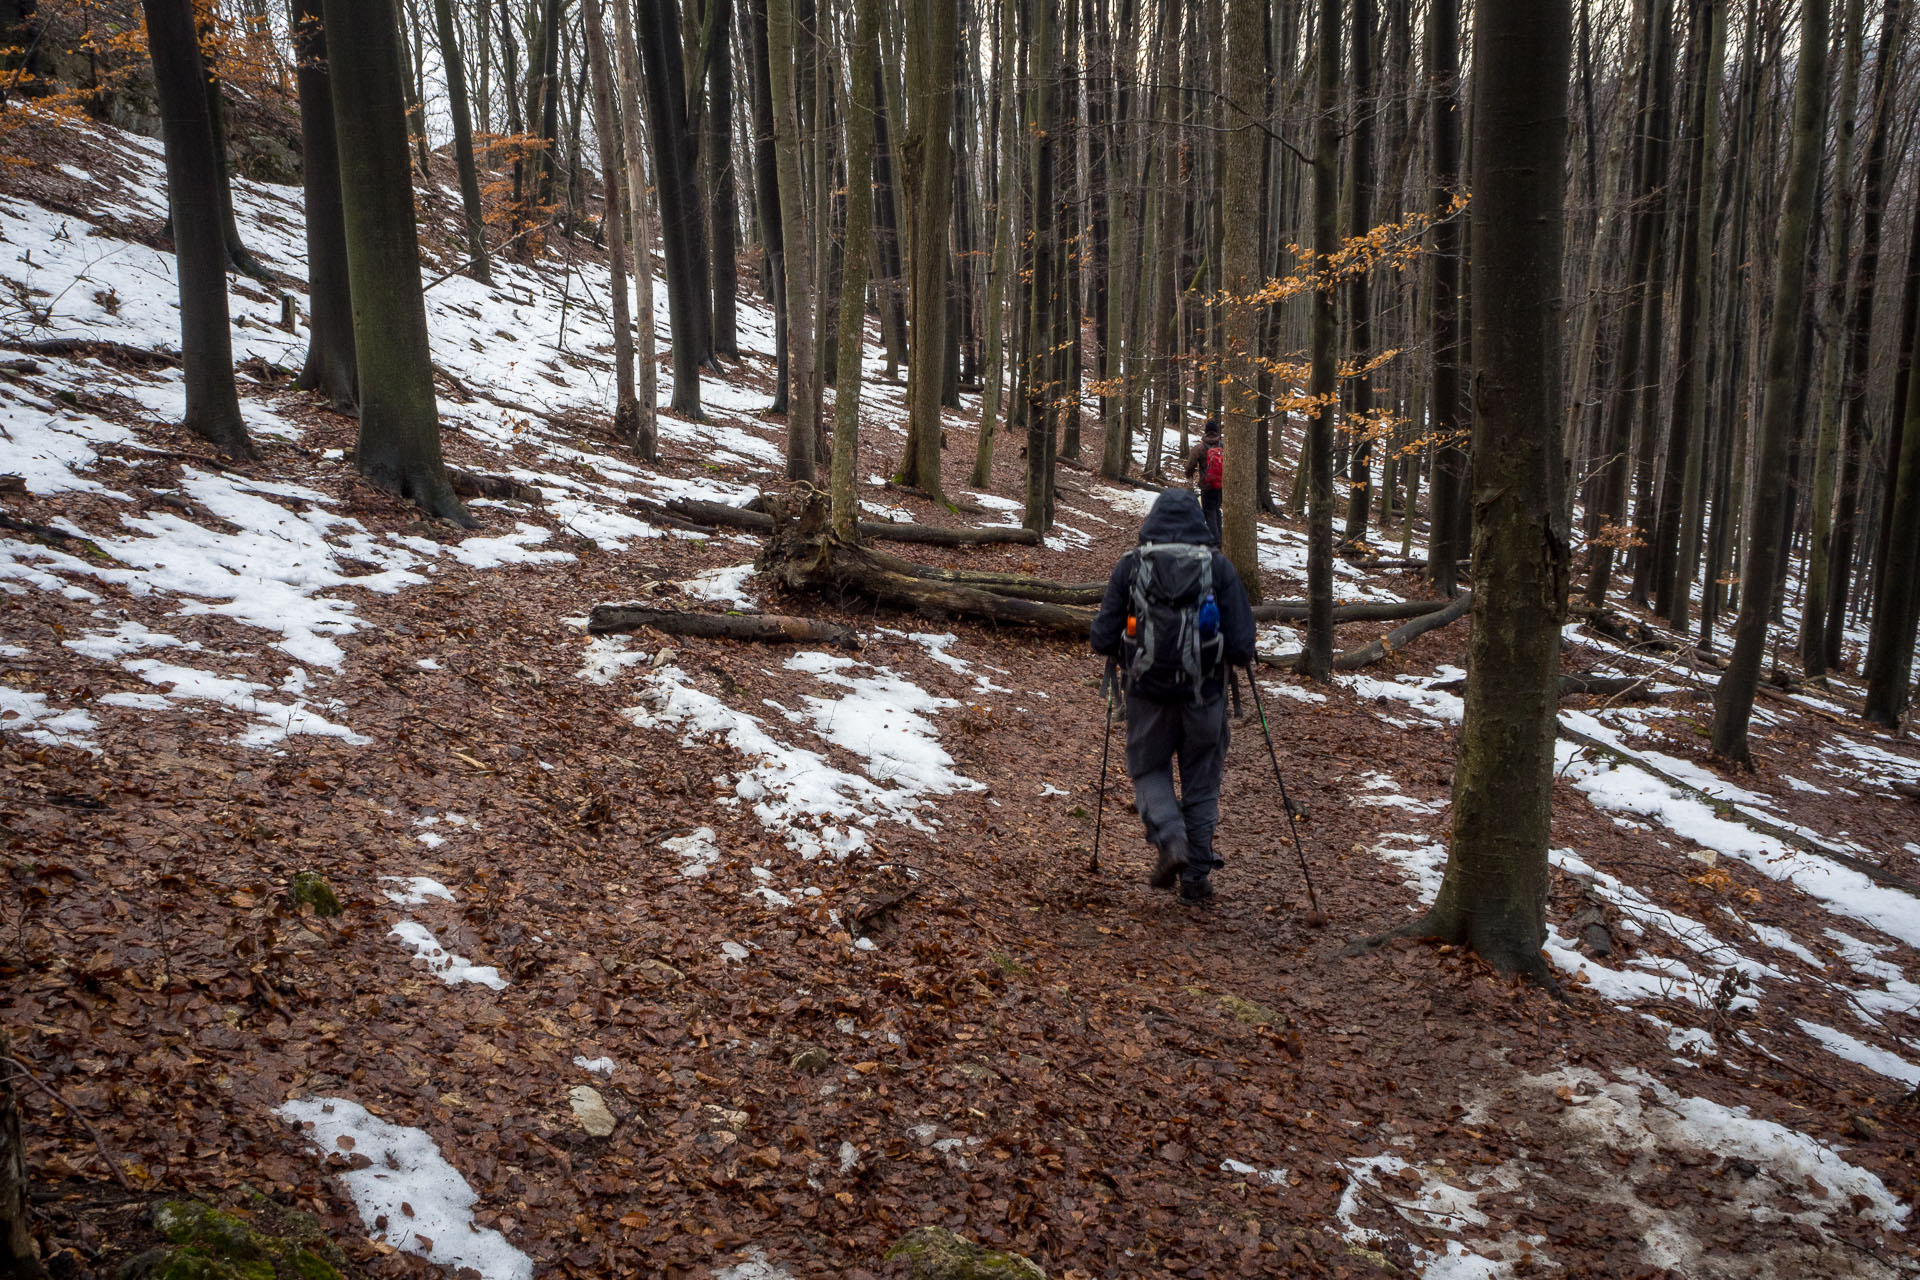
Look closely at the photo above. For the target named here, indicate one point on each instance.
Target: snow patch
(409, 1196)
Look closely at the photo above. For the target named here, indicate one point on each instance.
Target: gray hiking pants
(1157, 734)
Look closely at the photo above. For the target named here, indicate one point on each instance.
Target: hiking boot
(1200, 890)
(1173, 860)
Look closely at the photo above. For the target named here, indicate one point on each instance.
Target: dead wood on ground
(768, 627)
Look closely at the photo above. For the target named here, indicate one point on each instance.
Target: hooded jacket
(1176, 517)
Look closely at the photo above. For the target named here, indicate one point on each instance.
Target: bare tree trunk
(1759, 579)
(1448, 490)
(1889, 668)
(455, 66)
(927, 162)
(1005, 198)
(1494, 894)
(1360, 288)
(1042, 66)
(330, 364)
(1317, 654)
(766, 196)
(782, 48)
(853, 282)
(399, 444)
(200, 251)
(646, 422)
(1246, 77)
(626, 411)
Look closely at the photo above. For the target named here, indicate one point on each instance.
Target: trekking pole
(1106, 741)
(1316, 918)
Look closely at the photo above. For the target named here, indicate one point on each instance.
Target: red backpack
(1216, 465)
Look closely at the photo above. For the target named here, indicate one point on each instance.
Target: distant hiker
(1175, 620)
(1208, 463)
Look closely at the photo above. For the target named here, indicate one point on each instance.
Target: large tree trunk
(399, 444)
(1709, 25)
(646, 422)
(606, 125)
(766, 197)
(1897, 603)
(724, 251)
(927, 165)
(1854, 425)
(1449, 459)
(993, 377)
(1317, 656)
(455, 68)
(1759, 575)
(1042, 63)
(782, 47)
(1678, 578)
(330, 366)
(863, 57)
(199, 250)
(1813, 608)
(1246, 76)
(1360, 289)
(1494, 894)
(679, 193)
(1607, 496)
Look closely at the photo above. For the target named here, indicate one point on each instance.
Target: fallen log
(719, 513)
(1388, 564)
(145, 357)
(1362, 611)
(473, 484)
(1911, 790)
(803, 555)
(768, 627)
(657, 513)
(1383, 646)
(1020, 586)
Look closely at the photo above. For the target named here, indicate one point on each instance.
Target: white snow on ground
(727, 585)
(1626, 789)
(409, 1196)
(1436, 1206)
(883, 719)
(754, 1267)
(607, 656)
(1846, 757)
(1381, 791)
(696, 850)
(444, 964)
(1240, 1168)
(34, 718)
(1872, 1057)
(1636, 1113)
(602, 1066)
(415, 890)
(793, 792)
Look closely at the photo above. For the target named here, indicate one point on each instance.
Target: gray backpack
(1173, 640)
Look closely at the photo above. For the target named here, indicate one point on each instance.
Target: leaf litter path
(813, 1031)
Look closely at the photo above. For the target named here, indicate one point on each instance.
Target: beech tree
(330, 366)
(199, 248)
(1494, 893)
(1760, 569)
(399, 443)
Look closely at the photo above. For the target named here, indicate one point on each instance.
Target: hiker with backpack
(1174, 622)
(1208, 462)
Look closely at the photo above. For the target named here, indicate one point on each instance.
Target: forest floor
(817, 929)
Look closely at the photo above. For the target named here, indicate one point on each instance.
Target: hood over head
(1176, 517)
